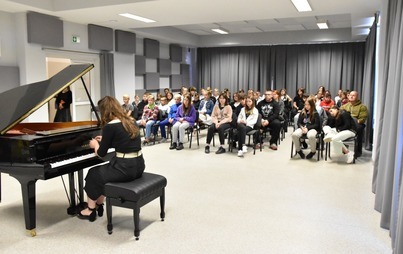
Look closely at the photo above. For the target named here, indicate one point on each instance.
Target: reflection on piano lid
(18, 103)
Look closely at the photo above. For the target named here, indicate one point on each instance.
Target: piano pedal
(74, 210)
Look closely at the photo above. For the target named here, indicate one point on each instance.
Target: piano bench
(134, 195)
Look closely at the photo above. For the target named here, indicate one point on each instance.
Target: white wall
(124, 75)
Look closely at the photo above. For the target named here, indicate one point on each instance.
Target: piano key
(77, 159)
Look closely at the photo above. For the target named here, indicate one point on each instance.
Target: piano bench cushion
(137, 189)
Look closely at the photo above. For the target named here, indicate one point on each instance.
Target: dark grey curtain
(368, 84)
(389, 119)
(107, 74)
(334, 66)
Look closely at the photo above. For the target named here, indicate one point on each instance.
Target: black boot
(180, 146)
(173, 146)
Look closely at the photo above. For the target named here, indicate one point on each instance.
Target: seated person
(246, 121)
(359, 112)
(270, 110)
(342, 128)
(150, 115)
(327, 102)
(309, 124)
(185, 117)
(127, 107)
(196, 101)
(163, 109)
(142, 104)
(221, 117)
(205, 108)
(171, 117)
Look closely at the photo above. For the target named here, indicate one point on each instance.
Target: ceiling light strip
(220, 30)
(135, 17)
(302, 5)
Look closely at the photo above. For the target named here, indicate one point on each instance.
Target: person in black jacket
(270, 111)
(340, 128)
(310, 125)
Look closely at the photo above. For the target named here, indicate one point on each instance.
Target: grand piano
(42, 151)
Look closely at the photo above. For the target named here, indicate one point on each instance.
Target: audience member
(171, 117)
(269, 109)
(343, 127)
(150, 115)
(247, 119)
(185, 117)
(205, 108)
(221, 118)
(327, 102)
(360, 113)
(128, 108)
(309, 124)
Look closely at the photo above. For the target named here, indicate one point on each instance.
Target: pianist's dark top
(115, 136)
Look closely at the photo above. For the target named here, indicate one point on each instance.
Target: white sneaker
(240, 153)
(244, 149)
(350, 157)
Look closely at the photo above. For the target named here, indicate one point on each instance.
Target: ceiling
(191, 21)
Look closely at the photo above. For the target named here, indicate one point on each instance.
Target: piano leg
(29, 202)
(74, 206)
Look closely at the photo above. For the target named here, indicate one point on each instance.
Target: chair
(319, 145)
(349, 140)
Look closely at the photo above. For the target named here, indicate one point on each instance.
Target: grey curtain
(334, 66)
(107, 74)
(368, 84)
(388, 164)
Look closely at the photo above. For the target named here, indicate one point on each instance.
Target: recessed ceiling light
(220, 30)
(135, 17)
(322, 25)
(302, 5)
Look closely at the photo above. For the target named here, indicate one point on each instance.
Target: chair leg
(162, 204)
(292, 148)
(109, 215)
(136, 216)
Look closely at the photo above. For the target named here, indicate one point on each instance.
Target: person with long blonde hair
(118, 132)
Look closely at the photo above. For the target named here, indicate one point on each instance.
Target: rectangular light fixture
(322, 25)
(135, 17)
(220, 30)
(302, 5)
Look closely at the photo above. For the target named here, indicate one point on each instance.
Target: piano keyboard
(76, 159)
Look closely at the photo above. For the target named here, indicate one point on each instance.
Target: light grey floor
(263, 203)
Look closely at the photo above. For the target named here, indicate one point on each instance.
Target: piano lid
(18, 103)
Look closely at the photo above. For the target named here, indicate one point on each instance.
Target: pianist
(119, 132)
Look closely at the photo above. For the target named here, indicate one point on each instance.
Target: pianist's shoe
(91, 217)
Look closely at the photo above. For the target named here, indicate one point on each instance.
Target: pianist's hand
(94, 144)
(98, 138)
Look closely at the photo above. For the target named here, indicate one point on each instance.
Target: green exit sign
(75, 39)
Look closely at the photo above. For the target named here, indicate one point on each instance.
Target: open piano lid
(18, 103)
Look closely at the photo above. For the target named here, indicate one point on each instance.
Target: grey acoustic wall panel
(9, 78)
(151, 48)
(164, 67)
(185, 72)
(100, 37)
(125, 42)
(175, 82)
(175, 53)
(140, 93)
(44, 29)
(152, 81)
(140, 67)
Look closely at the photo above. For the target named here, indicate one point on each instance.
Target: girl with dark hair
(221, 117)
(247, 119)
(309, 124)
(119, 132)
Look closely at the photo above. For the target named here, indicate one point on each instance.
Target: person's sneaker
(180, 146)
(327, 138)
(273, 147)
(244, 149)
(301, 154)
(163, 140)
(207, 149)
(350, 157)
(310, 155)
(240, 153)
(220, 150)
(304, 145)
(173, 146)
